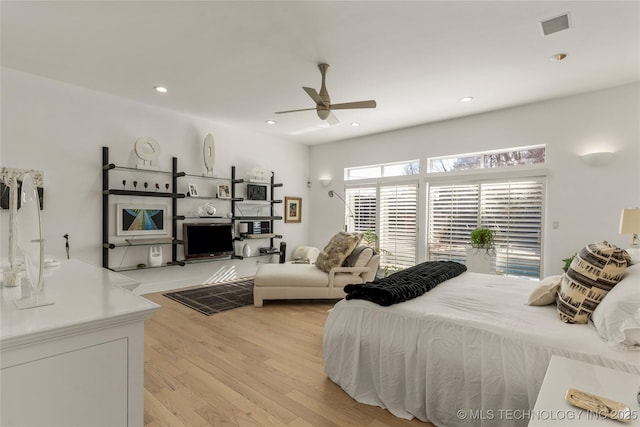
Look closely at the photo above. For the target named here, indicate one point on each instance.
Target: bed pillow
(545, 293)
(594, 271)
(617, 318)
(337, 250)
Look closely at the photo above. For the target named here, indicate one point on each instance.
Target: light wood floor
(245, 367)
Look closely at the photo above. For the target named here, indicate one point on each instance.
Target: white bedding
(470, 344)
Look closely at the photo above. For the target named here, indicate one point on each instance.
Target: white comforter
(470, 348)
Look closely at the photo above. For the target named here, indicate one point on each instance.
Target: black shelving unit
(107, 167)
(268, 203)
(174, 195)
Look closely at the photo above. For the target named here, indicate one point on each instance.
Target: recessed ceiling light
(558, 57)
(271, 122)
(355, 124)
(160, 89)
(466, 99)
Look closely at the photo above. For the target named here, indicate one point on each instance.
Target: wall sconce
(600, 158)
(325, 182)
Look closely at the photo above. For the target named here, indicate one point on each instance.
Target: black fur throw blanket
(406, 284)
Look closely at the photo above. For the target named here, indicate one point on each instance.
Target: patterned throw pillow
(595, 270)
(337, 250)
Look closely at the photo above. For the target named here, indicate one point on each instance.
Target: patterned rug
(216, 298)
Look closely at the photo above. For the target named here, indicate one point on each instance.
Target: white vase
(481, 260)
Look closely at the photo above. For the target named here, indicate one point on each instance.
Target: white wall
(585, 200)
(60, 129)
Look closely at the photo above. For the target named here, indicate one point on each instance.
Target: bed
(470, 344)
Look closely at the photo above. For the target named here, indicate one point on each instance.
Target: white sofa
(306, 281)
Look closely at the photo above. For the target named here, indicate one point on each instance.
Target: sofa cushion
(360, 257)
(592, 274)
(337, 250)
(300, 275)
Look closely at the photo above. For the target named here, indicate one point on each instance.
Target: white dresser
(78, 362)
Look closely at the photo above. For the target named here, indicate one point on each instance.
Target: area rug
(216, 298)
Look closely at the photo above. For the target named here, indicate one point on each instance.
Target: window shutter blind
(398, 225)
(453, 213)
(361, 212)
(514, 211)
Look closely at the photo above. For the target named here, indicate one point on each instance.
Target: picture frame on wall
(224, 192)
(193, 190)
(135, 219)
(293, 209)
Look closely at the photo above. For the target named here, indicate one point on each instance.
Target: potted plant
(481, 256)
(567, 262)
(482, 238)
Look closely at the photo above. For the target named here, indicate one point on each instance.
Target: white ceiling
(239, 62)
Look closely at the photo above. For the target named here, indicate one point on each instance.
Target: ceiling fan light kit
(322, 99)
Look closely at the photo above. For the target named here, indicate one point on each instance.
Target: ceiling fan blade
(314, 95)
(360, 104)
(332, 119)
(295, 111)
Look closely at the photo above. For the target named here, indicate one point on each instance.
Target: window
(411, 167)
(489, 159)
(391, 212)
(512, 209)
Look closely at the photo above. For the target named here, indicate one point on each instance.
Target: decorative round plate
(147, 148)
(209, 153)
(210, 209)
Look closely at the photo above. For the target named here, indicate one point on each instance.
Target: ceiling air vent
(554, 25)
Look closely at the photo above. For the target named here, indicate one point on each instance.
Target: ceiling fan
(324, 106)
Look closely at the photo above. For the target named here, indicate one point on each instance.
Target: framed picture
(223, 191)
(135, 219)
(292, 209)
(193, 190)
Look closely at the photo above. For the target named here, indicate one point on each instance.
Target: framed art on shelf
(140, 219)
(193, 190)
(293, 209)
(224, 192)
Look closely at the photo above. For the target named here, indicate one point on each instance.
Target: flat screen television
(207, 240)
(256, 192)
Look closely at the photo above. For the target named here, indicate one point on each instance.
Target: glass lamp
(630, 224)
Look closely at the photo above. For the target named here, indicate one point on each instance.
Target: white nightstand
(552, 409)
